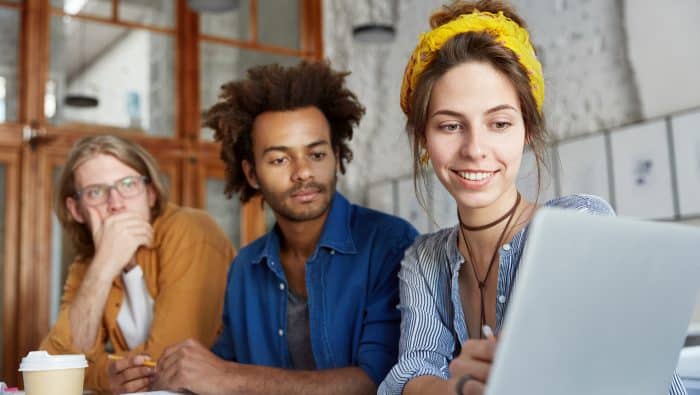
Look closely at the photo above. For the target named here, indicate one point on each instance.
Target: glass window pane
(159, 13)
(9, 45)
(166, 182)
(279, 23)
(232, 24)
(226, 212)
(62, 254)
(2, 252)
(89, 7)
(112, 76)
(220, 64)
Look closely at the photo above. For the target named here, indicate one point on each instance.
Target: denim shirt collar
(336, 234)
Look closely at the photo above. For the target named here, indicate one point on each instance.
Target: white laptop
(601, 306)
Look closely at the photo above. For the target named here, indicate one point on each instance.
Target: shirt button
(281, 286)
(280, 332)
(506, 247)
(332, 252)
(501, 299)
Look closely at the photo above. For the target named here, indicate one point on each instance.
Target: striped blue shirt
(432, 319)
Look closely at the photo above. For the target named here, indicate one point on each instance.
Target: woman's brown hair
(127, 152)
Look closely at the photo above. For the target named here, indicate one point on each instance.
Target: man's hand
(130, 375)
(470, 370)
(117, 238)
(189, 366)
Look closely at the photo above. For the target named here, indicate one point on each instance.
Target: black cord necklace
(482, 283)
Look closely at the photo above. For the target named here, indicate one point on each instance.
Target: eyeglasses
(128, 187)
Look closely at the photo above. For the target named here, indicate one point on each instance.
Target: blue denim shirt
(352, 285)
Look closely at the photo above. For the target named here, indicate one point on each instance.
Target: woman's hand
(469, 372)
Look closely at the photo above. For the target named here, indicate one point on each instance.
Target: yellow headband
(506, 31)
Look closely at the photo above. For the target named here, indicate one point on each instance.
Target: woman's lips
(474, 179)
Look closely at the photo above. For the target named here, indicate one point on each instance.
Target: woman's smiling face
(475, 136)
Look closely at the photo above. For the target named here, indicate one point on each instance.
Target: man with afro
(310, 307)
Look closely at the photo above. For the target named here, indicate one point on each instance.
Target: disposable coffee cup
(46, 374)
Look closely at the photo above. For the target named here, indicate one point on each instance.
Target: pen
(118, 357)
(487, 332)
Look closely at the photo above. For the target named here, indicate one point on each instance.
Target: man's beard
(279, 202)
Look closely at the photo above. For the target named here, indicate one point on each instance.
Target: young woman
(473, 93)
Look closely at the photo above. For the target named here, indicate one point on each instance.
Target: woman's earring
(424, 158)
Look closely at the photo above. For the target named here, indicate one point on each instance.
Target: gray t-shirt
(299, 333)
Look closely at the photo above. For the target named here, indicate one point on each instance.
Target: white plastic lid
(41, 360)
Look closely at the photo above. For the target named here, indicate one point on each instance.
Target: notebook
(601, 306)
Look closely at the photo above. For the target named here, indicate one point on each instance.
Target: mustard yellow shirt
(185, 272)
